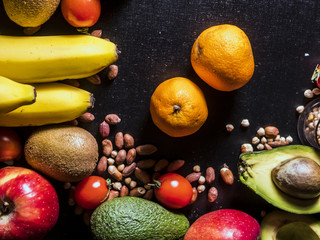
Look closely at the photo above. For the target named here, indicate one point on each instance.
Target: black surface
(155, 40)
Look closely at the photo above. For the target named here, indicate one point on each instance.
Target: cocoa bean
(146, 149)
(147, 163)
(142, 175)
(160, 165)
(175, 165)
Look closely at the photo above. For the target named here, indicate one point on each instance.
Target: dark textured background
(155, 40)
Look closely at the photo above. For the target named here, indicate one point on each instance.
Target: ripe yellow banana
(56, 103)
(14, 94)
(35, 59)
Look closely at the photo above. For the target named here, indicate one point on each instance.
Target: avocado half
(280, 225)
(255, 172)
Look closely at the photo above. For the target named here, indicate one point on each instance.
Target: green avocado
(136, 219)
(255, 172)
(280, 225)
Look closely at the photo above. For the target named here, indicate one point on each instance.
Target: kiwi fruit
(62, 152)
(30, 13)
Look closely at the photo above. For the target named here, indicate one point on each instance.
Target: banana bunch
(40, 61)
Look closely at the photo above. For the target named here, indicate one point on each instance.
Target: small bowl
(307, 129)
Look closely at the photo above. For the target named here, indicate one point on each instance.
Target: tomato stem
(156, 184)
(109, 184)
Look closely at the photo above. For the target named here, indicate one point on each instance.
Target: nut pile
(266, 139)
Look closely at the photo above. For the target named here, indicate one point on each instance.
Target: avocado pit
(298, 177)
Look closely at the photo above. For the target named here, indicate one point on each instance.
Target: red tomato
(91, 192)
(81, 13)
(174, 192)
(10, 144)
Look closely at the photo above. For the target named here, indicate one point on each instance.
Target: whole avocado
(136, 219)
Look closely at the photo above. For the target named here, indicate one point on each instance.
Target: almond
(142, 175)
(146, 149)
(271, 131)
(147, 163)
(160, 165)
(175, 165)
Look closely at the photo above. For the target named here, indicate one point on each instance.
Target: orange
(222, 57)
(178, 107)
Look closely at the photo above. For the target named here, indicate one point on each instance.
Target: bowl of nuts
(308, 124)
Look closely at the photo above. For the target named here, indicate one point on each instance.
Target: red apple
(29, 205)
(224, 224)
(10, 144)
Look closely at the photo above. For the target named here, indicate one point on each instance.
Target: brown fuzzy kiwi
(65, 153)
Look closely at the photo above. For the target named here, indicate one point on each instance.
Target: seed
(95, 79)
(175, 165)
(128, 170)
(124, 191)
(194, 195)
(227, 175)
(149, 194)
(104, 129)
(160, 165)
(201, 188)
(147, 163)
(119, 142)
(117, 186)
(260, 146)
(121, 167)
(114, 172)
(86, 117)
(112, 119)
(210, 175)
(110, 161)
(271, 131)
(229, 127)
(107, 147)
(121, 157)
(289, 139)
(245, 123)
(308, 93)
(137, 192)
(255, 140)
(114, 154)
(193, 177)
(102, 165)
(127, 180)
(131, 155)
(212, 194)
(128, 141)
(261, 132)
(96, 33)
(132, 184)
(300, 109)
(146, 149)
(112, 72)
(246, 147)
(202, 180)
(142, 175)
(113, 194)
(263, 140)
(196, 168)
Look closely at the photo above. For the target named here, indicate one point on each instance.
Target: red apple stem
(6, 206)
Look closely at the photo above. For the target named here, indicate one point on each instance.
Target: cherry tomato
(174, 192)
(91, 192)
(10, 144)
(81, 13)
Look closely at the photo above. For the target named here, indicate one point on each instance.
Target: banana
(14, 94)
(56, 103)
(36, 59)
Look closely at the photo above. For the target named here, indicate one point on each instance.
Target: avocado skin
(136, 219)
(276, 220)
(255, 172)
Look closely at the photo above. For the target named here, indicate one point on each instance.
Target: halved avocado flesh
(255, 172)
(280, 225)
